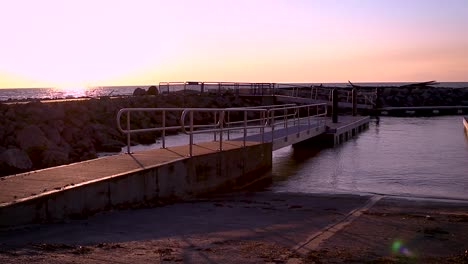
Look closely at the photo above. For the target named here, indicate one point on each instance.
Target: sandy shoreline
(254, 228)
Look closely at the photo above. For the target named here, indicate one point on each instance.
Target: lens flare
(399, 248)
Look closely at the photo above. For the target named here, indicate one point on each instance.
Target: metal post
(354, 99)
(298, 119)
(286, 123)
(128, 132)
(221, 121)
(228, 125)
(262, 129)
(335, 105)
(378, 100)
(285, 117)
(191, 133)
(272, 125)
(215, 114)
(164, 129)
(317, 116)
(184, 100)
(245, 125)
(308, 116)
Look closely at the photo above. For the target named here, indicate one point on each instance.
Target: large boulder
(15, 159)
(139, 92)
(52, 133)
(31, 137)
(54, 157)
(152, 90)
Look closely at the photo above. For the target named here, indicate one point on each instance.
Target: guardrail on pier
(194, 120)
(315, 92)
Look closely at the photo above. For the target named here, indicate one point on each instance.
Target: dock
(169, 173)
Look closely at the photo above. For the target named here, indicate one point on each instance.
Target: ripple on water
(418, 157)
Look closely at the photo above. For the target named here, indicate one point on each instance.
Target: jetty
(239, 154)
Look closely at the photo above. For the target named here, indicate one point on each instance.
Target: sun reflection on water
(72, 91)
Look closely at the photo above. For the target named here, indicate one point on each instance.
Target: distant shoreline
(31, 94)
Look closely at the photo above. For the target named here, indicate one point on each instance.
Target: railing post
(317, 116)
(285, 117)
(228, 125)
(272, 125)
(221, 121)
(184, 94)
(354, 100)
(308, 117)
(298, 119)
(335, 105)
(245, 125)
(286, 122)
(215, 114)
(191, 134)
(378, 101)
(164, 129)
(262, 129)
(128, 132)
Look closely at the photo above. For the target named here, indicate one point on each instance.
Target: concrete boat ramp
(143, 177)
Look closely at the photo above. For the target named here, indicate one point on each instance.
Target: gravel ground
(253, 228)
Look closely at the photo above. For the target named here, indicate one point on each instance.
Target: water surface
(417, 157)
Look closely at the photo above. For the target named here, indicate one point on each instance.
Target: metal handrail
(219, 127)
(265, 116)
(285, 117)
(216, 127)
(163, 127)
(230, 123)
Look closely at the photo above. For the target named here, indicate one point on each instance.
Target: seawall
(181, 178)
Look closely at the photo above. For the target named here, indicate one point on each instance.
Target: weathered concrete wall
(184, 178)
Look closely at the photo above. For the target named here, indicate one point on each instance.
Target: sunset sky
(55, 43)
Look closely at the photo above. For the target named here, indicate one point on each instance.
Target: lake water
(416, 157)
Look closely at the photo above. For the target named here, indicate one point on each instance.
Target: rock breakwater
(38, 135)
(422, 96)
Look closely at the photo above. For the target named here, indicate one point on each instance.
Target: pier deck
(95, 185)
(25, 186)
